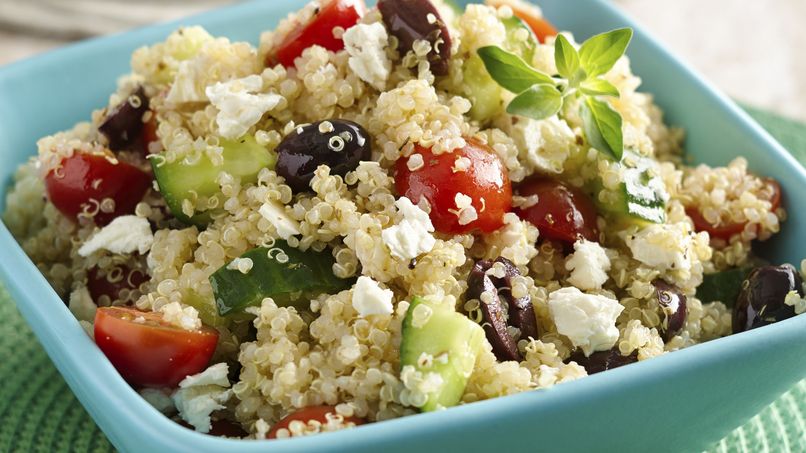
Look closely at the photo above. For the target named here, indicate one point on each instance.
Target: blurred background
(752, 50)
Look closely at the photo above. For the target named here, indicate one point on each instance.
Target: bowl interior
(52, 92)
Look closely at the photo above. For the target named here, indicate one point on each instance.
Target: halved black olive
(123, 124)
(502, 305)
(673, 305)
(339, 144)
(761, 298)
(411, 20)
(602, 360)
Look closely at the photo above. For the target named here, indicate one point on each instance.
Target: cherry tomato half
(485, 180)
(562, 213)
(726, 231)
(318, 31)
(85, 179)
(149, 352)
(541, 27)
(318, 413)
(125, 278)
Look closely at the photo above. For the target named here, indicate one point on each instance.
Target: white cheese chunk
(213, 375)
(238, 108)
(663, 247)
(275, 214)
(202, 394)
(366, 45)
(588, 265)
(588, 320)
(411, 237)
(124, 235)
(370, 299)
(159, 399)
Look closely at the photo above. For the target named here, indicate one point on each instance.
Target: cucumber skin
(446, 331)
(723, 286)
(305, 275)
(243, 158)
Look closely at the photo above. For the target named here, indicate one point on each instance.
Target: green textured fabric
(38, 412)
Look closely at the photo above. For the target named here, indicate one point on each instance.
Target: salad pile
(385, 211)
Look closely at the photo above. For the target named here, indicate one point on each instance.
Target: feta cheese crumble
(238, 108)
(370, 299)
(202, 394)
(588, 320)
(664, 247)
(411, 237)
(588, 265)
(185, 318)
(366, 44)
(126, 234)
(275, 214)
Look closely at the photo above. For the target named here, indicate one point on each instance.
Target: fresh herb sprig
(540, 95)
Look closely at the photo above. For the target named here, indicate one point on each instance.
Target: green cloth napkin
(38, 412)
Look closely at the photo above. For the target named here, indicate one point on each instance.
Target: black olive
(123, 124)
(761, 298)
(339, 144)
(673, 305)
(519, 310)
(408, 21)
(602, 360)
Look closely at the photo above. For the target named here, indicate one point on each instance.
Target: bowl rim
(106, 395)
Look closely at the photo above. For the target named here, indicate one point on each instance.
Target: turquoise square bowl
(682, 401)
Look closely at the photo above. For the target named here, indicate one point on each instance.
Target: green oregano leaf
(598, 87)
(537, 102)
(602, 127)
(510, 71)
(566, 58)
(598, 54)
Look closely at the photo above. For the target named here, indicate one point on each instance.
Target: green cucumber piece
(453, 341)
(178, 181)
(525, 49)
(641, 197)
(722, 286)
(290, 282)
(481, 90)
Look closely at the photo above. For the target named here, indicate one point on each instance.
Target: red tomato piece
(726, 231)
(102, 286)
(540, 26)
(562, 213)
(149, 352)
(84, 180)
(485, 181)
(318, 31)
(318, 413)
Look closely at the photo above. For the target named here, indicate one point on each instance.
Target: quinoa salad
(391, 210)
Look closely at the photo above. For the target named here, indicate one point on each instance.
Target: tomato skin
(101, 286)
(540, 26)
(486, 179)
(73, 185)
(306, 414)
(319, 31)
(725, 232)
(151, 353)
(562, 213)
